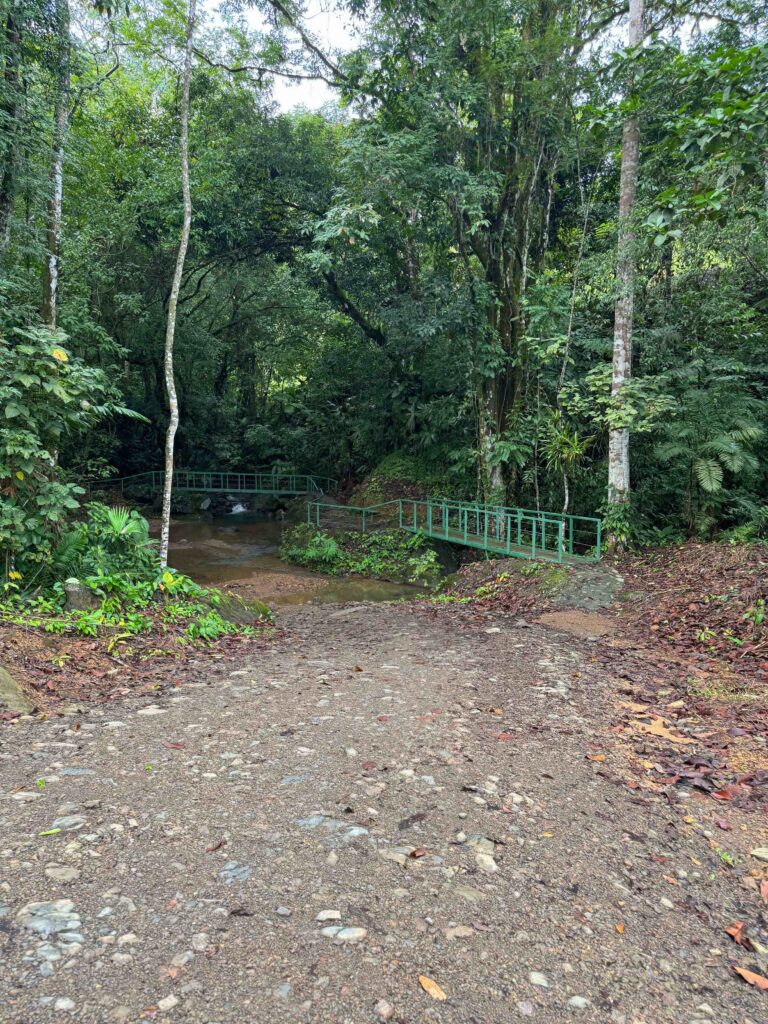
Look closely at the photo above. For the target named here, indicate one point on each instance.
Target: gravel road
(380, 798)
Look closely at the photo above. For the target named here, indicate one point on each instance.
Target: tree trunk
(173, 301)
(618, 439)
(11, 111)
(56, 187)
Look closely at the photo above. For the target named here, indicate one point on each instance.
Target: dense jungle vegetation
(430, 273)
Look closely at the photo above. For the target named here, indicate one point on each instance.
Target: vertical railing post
(533, 537)
(599, 537)
(485, 529)
(561, 527)
(429, 518)
(570, 535)
(519, 528)
(363, 520)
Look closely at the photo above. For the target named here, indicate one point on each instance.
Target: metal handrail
(259, 482)
(517, 532)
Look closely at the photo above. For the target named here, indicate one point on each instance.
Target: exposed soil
(523, 800)
(449, 790)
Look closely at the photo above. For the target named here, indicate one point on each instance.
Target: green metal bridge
(215, 481)
(499, 530)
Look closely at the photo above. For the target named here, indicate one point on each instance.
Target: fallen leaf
(631, 706)
(420, 851)
(657, 728)
(723, 824)
(505, 736)
(170, 972)
(173, 746)
(736, 931)
(671, 880)
(620, 928)
(764, 890)
(595, 757)
(216, 846)
(433, 989)
(757, 980)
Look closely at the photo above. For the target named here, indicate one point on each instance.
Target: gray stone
(538, 979)
(351, 934)
(62, 873)
(79, 597)
(234, 872)
(383, 1009)
(70, 822)
(578, 1003)
(11, 696)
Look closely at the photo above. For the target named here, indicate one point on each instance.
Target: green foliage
(46, 398)
(421, 295)
(110, 554)
(384, 554)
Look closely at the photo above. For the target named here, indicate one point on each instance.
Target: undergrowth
(109, 561)
(385, 554)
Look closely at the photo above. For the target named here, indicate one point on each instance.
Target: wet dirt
(240, 554)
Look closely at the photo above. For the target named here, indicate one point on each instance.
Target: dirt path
(423, 788)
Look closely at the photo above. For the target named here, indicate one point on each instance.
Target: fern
(709, 473)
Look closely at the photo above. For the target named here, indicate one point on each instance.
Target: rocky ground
(388, 814)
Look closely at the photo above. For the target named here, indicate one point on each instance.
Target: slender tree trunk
(618, 440)
(11, 112)
(56, 185)
(173, 301)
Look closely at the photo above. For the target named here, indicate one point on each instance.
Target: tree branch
(348, 307)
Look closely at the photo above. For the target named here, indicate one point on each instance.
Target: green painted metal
(497, 529)
(223, 481)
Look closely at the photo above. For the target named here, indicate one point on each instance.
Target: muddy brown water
(241, 553)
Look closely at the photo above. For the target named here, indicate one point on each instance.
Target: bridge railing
(353, 517)
(230, 482)
(516, 532)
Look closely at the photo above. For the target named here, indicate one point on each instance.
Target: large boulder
(12, 696)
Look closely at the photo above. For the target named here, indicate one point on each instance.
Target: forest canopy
(433, 268)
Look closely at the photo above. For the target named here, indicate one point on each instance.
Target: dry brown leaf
(631, 706)
(595, 757)
(657, 728)
(736, 931)
(431, 987)
(757, 980)
(764, 889)
(619, 928)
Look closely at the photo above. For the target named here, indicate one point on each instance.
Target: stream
(240, 552)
